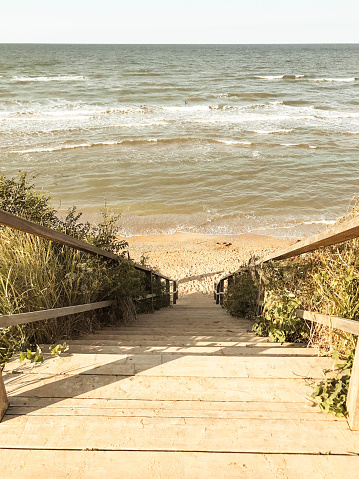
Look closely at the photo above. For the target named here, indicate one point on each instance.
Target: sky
(179, 21)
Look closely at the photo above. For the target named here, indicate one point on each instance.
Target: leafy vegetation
(331, 394)
(324, 281)
(37, 274)
(241, 296)
(279, 321)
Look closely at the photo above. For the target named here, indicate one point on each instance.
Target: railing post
(221, 299)
(168, 292)
(3, 398)
(152, 299)
(353, 393)
(220, 289)
(175, 293)
(216, 294)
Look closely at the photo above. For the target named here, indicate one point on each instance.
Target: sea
(212, 139)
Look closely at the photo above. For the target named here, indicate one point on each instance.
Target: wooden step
(87, 464)
(157, 387)
(185, 366)
(184, 341)
(291, 436)
(83, 347)
(117, 407)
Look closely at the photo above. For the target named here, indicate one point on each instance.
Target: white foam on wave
(67, 147)
(346, 80)
(299, 145)
(319, 222)
(269, 132)
(234, 142)
(186, 108)
(47, 79)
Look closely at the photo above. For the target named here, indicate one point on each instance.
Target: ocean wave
(269, 132)
(187, 108)
(322, 107)
(345, 80)
(319, 222)
(245, 95)
(233, 142)
(47, 79)
(299, 145)
(65, 111)
(110, 143)
(280, 77)
(217, 224)
(294, 102)
(337, 115)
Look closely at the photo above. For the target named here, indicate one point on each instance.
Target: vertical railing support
(168, 292)
(221, 290)
(3, 398)
(217, 295)
(152, 298)
(175, 292)
(353, 393)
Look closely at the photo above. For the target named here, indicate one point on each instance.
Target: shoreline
(197, 260)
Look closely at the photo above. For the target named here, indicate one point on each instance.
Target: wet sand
(197, 261)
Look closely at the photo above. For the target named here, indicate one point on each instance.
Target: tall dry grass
(37, 274)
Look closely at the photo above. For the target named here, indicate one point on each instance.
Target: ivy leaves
(331, 394)
(38, 357)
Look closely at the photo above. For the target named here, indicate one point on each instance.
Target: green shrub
(279, 320)
(240, 299)
(331, 394)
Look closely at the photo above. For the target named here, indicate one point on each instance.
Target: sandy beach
(197, 261)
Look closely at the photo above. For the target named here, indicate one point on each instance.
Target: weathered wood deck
(185, 393)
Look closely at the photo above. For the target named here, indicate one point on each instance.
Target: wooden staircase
(187, 392)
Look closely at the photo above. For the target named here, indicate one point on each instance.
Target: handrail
(22, 318)
(344, 231)
(26, 226)
(21, 224)
(332, 235)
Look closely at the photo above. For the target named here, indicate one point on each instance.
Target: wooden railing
(17, 223)
(337, 234)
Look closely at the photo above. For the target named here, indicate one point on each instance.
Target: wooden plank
(157, 388)
(116, 407)
(314, 415)
(353, 393)
(3, 397)
(302, 405)
(245, 350)
(165, 338)
(335, 322)
(291, 436)
(173, 332)
(178, 341)
(22, 318)
(58, 464)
